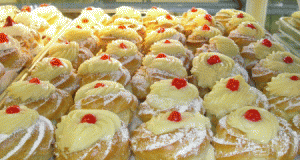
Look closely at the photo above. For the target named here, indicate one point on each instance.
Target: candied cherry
(44, 5)
(175, 116)
(89, 8)
(89, 118)
(56, 62)
(9, 22)
(99, 85)
(213, 60)
(3, 38)
(105, 57)
(294, 78)
(179, 83)
(251, 26)
(35, 80)
(252, 115)
(123, 46)
(241, 15)
(267, 43)
(161, 55)
(67, 42)
(79, 27)
(169, 17)
(85, 20)
(26, 9)
(161, 30)
(205, 27)
(194, 9)
(122, 27)
(13, 109)
(208, 17)
(167, 41)
(288, 59)
(233, 84)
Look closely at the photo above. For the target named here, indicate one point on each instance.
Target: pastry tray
(288, 29)
(288, 43)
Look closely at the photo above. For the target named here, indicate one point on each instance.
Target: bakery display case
(147, 79)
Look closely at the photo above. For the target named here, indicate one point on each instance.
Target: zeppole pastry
(230, 94)
(152, 14)
(222, 45)
(127, 12)
(156, 68)
(210, 67)
(246, 33)
(97, 13)
(283, 94)
(109, 33)
(254, 133)
(86, 22)
(170, 95)
(131, 23)
(173, 48)
(173, 135)
(91, 134)
(295, 20)
(11, 55)
(24, 134)
(166, 21)
(272, 65)
(41, 96)
(103, 68)
(70, 51)
(201, 36)
(7, 10)
(259, 50)
(49, 12)
(57, 71)
(127, 53)
(225, 15)
(162, 33)
(107, 95)
(191, 14)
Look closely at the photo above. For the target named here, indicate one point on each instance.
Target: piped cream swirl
(114, 48)
(173, 49)
(257, 32)
(67, 51)
(282, 85)
(225, 45)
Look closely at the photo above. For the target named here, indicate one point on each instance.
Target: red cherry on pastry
(161, 55)
(194, 9)
(89, 118)
(79, 27)
(105, 57)
(233, 84)
(179, 83)
(35, 80)
(161, 30)
(43, 37)
(252, 115)
(9, 22)
(123, 46)
(26, 9)
(56, 62)
(288, 59)
(175, 116)
(44, 5)
(99, 85)
(85, 20)
(169, 17)
(251, 26)
(205, 27)
(241, 15)
(214, 60)
(294, 78)
(167, 41)
(12, 109)
(154, 7)
(122, 27)
(267, 43)
(208, 17)
(3, 38)
(89, 8)
(67, 42)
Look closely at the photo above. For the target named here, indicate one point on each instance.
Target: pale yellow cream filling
(67, 51)
(170, 95)
(257, 33)
(225, 45)
(163, 20)
(11, 44)
(261, 51)
(201, 21)
(282, 85)
(87, 90)
(174, 48)
(206, 33)
(161, 125)
(170, 64)
(76, 34)
(192, 15)
(72, 135)
(25, 90)
(207, 74)
(97, 65)
(262, 131)
(126, 11)
(95, 12)
(46, 72)
(275, 62)
(155, 36)
(235, 21)
(17, 30)
(13, 122)
(114, 48)
(296, 14)
(156, 12)
(114, 31)
(222, 100)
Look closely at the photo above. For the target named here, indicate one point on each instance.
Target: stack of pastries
(148, 87)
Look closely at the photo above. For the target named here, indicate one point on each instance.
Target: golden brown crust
(84, 54)
(261, 76)
(14, 59)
